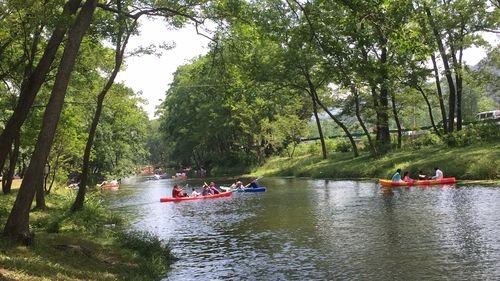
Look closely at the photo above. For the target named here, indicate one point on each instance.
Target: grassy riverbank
(476, 162)
(89, 245)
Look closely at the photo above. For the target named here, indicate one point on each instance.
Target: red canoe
(171, 199)
(420, 182)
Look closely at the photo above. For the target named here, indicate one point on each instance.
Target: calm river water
(302, 229)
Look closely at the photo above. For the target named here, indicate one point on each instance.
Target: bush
(462, 138)
(488, 131)
(426, 140)
(157, 253)
(343, 145)
(484, 169)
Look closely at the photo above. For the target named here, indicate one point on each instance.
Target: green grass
(89, 245)
(476, 162)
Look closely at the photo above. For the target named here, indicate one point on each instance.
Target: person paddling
(213, 189)
(439, 174)
(253, 184)
(397, 176)
(177, 192)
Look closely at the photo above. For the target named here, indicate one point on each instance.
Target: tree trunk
(6, 188)
(385, 137)
(457, 65)
(119, 52)
(341, 125)
(373, 149)
(31, 86)
(440, 94)
(17, 225)
(429, 108)
(396, 119)
(40, 195)
(375, 105)
(447, 69)
(318, 124)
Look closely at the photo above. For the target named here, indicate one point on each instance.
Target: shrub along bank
(88, 245)
(473, 162)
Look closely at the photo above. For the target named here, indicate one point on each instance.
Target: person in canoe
(195, 193)
(406, 177)
(253, 184)
(421, 175)
(177, 192)
(206, 190)
(238, 184)
(213, 188)
(397, 175)
(438, 175)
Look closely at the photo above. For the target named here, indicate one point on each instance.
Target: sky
(151, 75)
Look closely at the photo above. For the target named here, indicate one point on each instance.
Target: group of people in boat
(421, 175)
(210, 189)
(238, 184)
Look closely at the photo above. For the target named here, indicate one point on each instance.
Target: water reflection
(325, 230)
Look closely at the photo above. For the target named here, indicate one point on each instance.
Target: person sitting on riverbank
(421, 175)
(406, 177)
(397, 176)
(177, 192)
(439, 174)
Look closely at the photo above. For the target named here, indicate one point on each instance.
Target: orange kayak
(172, 199)
(417, 182)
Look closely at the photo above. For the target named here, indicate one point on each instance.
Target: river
(303, 229)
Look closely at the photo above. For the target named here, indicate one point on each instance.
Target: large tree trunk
(17, 226)
(119, 51)
(396, 118)
(447, 69)
(40, 195)
(373, 149)
(32, 84)
(439, 93)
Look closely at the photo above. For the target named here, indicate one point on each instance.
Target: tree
(17, 226)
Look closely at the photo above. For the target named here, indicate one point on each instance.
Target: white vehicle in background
(488, 115)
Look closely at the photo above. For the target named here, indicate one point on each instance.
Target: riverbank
(90, 245)
(476, 162)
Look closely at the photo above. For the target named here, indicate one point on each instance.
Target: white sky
(152, 75)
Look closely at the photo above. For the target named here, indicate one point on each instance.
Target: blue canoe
(245, 189)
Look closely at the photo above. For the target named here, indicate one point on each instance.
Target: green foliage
(479, 133)
(425, 141)
(157, 252)
(343, 145)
